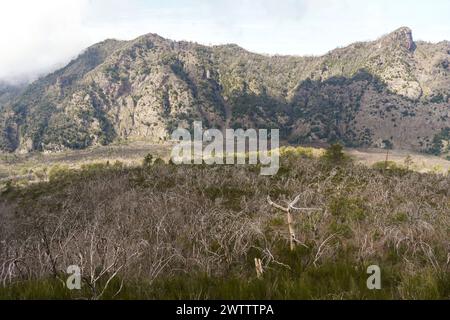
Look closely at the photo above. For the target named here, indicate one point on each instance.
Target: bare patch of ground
(420, 162)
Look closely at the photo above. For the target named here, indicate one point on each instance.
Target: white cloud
(38, 36)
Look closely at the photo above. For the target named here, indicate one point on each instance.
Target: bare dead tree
(290, 222)
(259, 268)
(321, 247)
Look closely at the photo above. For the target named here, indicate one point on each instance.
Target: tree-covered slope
(389, 92)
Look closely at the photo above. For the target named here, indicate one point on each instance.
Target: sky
(40, 36)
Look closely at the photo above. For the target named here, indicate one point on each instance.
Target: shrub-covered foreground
(171, 232)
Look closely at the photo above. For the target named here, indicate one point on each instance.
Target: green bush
(93, 167)
(345, 209)
(439, 146)
(58, 172)
(335, 155)
(385, 165)
(148, 161)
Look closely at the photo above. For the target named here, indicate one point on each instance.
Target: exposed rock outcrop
(392, 91)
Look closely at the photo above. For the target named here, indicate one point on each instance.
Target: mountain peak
(402, 36)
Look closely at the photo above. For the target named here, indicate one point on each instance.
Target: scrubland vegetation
(160, 231)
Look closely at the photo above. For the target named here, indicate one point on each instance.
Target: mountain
(8, 92)
(392, 92)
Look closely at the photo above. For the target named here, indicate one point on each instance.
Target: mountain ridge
(391, 92)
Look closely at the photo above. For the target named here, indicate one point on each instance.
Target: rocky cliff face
(389, 92)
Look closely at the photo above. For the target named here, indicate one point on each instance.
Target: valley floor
(419, 162)
(30, 167)
(131, 154)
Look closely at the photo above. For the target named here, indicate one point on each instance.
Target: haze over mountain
(392, 92)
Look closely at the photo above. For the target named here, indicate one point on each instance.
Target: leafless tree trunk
(290, 222)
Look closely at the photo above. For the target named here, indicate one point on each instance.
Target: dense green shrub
(441, 143)
(334, 155)
(58, 172)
